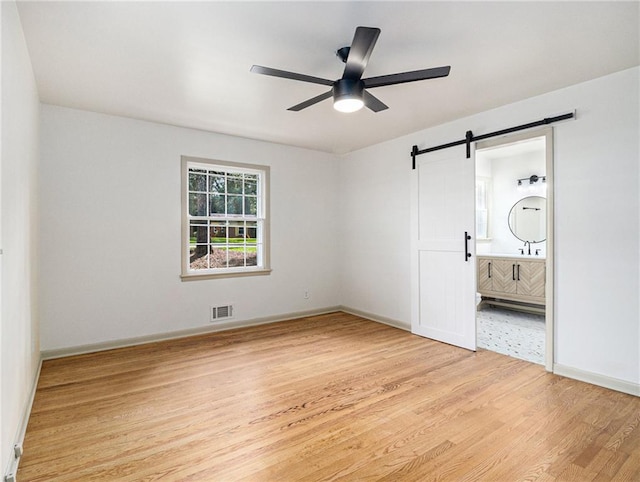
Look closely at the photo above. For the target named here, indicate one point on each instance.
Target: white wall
(110, 230)
(596, 224)
(19, 344)
(374, 249)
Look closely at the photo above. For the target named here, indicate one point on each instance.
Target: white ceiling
(187, 63)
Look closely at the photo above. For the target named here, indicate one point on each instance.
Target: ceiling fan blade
(257, 69)
(310, 102)
(373, 103)
(363, 42)
(406, 77)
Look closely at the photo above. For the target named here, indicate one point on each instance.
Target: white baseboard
(596, 379)
(140, 340)
(378, 318)
(12, 468)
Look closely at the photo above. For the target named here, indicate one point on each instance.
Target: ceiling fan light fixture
(348, 105)
(348, 95)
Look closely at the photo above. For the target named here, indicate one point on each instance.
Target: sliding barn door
(443, 278)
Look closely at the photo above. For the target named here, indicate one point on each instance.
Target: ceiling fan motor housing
(348, 89)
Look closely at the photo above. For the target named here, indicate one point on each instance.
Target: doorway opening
(514, 246)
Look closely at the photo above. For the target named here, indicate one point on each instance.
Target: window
(483, 192)
(224, 219)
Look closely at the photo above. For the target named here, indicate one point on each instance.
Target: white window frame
(488, 197)
(262, 219)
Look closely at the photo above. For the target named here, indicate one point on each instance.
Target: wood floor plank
(329, 397)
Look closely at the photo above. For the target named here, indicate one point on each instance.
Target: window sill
(226, 274)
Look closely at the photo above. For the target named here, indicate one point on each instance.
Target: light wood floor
(330, 397)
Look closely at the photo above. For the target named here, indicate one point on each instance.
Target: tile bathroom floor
(513, 333)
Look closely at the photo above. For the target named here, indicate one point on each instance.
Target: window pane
(236, 232)
(481, 224)
(251, 206)
(236, 257)
(217, 184)
(250, 184)
(197, 204)
(252, 257)
(218, 232)
(234, 184)
(481, 194)
(198, 258)
(218, 257)
(252, 232)
(197, 234)
(197, 182)
(234, 204)
(217, 204)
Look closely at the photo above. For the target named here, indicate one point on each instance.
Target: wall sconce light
(533, 179)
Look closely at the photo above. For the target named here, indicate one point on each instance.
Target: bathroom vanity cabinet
(512, 279)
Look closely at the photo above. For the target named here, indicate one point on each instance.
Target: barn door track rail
(469, 137)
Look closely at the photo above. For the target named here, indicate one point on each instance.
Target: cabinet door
(503, 275)
(531, 278)
(484, 274)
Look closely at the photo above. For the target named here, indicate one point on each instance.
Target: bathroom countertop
(516, 255)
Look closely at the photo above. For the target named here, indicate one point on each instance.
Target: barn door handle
(489, 269)
(467, 254)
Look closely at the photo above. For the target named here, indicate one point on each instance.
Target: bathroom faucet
(528, 245)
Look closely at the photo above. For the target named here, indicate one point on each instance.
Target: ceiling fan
(349, 92)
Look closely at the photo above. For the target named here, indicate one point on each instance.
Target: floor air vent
(221, 312)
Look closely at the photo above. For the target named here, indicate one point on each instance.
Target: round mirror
(528, 219)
